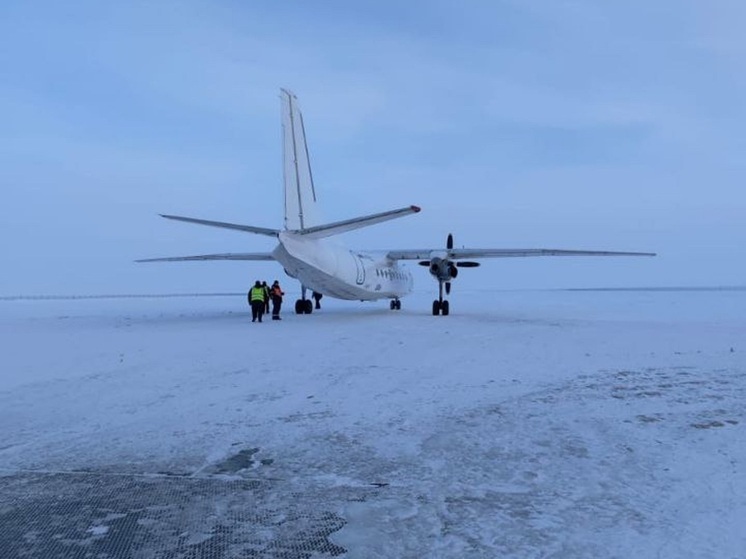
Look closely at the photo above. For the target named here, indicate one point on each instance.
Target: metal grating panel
(104, 516)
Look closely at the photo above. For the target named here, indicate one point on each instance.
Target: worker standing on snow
(267, 295)
(257, 300)
(277, 294)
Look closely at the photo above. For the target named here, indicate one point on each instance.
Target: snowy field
(527, 424)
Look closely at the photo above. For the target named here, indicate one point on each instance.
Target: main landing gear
(303, 305)
(395, 305)
(440, 305)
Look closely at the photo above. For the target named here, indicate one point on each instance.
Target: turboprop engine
(443, 269)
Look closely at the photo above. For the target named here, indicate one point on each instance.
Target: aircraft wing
(466, 253)
(224, 225)
(226, 256)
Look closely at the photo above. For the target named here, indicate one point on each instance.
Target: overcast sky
(577, 124)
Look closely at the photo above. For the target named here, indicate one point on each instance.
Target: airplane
(307, 253)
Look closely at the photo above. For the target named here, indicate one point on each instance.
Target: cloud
(540, 122)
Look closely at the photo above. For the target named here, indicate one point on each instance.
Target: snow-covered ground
(526, 424)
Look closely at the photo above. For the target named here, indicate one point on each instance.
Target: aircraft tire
(436, 308)
(299, 306)
(444, 308)
(398, 305)
(307, 306)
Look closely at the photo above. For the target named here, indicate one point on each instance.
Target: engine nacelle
(442, 269)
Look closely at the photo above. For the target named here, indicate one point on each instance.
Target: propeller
(449, 246)
(444, 269)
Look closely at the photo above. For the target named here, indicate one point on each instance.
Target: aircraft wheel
(307, 306)
(299, 306)
(392, 305)
(398, 305)
(436, 308)
(444, 308)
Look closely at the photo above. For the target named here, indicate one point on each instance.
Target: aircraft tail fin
(301, 211)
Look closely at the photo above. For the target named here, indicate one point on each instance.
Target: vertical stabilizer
(300, 196)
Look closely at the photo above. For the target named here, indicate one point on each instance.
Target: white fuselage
(339, 272)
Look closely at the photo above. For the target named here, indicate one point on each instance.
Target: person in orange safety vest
(276, 293)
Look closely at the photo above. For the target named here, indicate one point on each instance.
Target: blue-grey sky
(580, 124)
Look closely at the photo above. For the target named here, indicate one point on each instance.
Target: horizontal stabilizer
(338, 227)
(226, 256)
(470, 253)
(223, 225)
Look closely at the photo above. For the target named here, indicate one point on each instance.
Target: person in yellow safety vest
(257, 301)
(277, 294)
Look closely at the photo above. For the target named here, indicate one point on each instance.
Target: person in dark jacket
(276, 292)
(257, 301)
(267, 296)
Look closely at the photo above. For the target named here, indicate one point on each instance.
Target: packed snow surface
(525, 424)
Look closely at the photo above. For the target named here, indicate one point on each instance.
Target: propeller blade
(449, 242)
(467, 264)
(448, 288)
